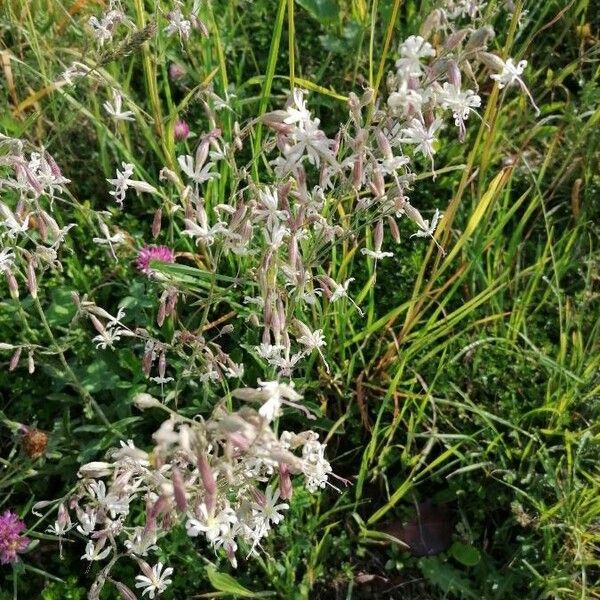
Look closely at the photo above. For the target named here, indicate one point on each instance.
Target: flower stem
(86, 396)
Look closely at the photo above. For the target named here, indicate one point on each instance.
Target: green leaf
(465, 554)
(445, 577)
(62, 309)
(226, 583)
(322, 10)
(98, 376)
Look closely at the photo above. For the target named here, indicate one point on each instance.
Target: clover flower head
(11, 540)
(150, 253)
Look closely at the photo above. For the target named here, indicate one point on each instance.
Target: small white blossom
(123, 182)
(269, 511)
(114, 109)
(95, 551)
(178, 24)
(154, 581)
(412, 50)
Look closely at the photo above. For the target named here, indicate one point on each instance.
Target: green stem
(85, 395)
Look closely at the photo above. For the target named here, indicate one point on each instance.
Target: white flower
(423, 137)
(6, 259)
(461, 8)
(268, 351)
(197, 171)
(459, 102)
(315, 467)
(59, 529)
(297, 111)
(267, 209)
(154, 581)
(313, 143)
(108, 337)
(286, 364)
(87, 520)
(212, 525)
(270, 511)
(510, 73)
(312, 340)
(9, 220)
(142, 541)
(103, 28)
(177, 24)
(392, 163)
(123, 182)
(203, 232)
(375, 254)
(95, 552)
(425, 228)
(110, 240)
(75, 71)
(412, 50)
(114, 109)
(340, 290)
(272, 394)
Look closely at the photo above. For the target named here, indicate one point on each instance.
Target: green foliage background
(471, 386)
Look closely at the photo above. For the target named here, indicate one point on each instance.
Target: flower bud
(453, 73)
(31, 280)
(162, 365)
(156, 223)
(209, 481)
(454, 39)
(491, 60)
(95, 469)
(432, 23)
(124, 591)
(144, 401)
(168, 175)
(378, 236)
(179, 490)
(285, 482)
(14, 361)
(98, 326)
(13, 286)
(63, 518)
(160, 316)
(394, 229)
(479, 38)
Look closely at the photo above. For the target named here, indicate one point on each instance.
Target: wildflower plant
(246, 252)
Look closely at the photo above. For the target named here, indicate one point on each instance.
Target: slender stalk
(268, 83)
(291, 42)
(152, 88)
(85, 395)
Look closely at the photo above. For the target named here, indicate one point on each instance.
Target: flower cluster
(226, 478)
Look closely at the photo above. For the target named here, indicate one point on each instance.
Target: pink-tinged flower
(10, 540)
(181, 130)
(150, 253)
(176, 71)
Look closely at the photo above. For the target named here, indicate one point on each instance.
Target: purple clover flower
(181, 130)
(176, 71)
(150, 253)
(11, 541)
